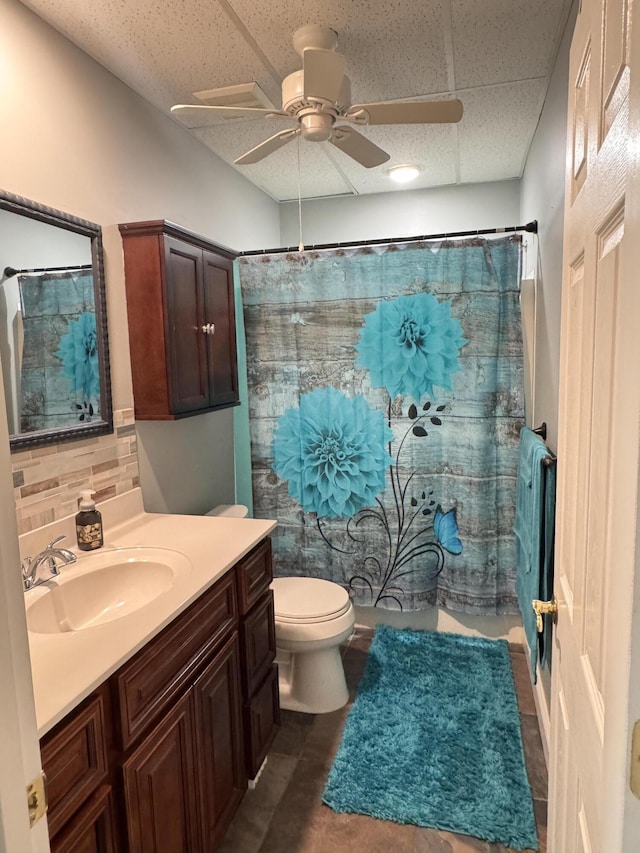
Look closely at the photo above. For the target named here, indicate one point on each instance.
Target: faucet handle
(55, 541)
(27, 571)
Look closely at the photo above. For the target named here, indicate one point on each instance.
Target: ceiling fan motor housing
(293, 100)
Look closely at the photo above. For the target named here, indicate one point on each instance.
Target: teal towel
(546, 580)
(534, 553)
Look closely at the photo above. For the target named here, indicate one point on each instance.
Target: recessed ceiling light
(403, 174)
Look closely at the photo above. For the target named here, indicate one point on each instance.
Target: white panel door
(589, 801)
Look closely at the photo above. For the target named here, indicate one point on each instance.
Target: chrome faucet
(49, 557)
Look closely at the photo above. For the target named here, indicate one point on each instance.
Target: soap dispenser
(88, 523)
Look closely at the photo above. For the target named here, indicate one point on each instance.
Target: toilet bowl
(313, 617)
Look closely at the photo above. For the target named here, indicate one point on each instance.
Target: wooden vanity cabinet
(180, 306)
(258, 644)
(93, 830)
(185, 778)
(75, 758)
(157, 759)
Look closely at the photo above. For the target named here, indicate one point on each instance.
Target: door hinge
(37, 798)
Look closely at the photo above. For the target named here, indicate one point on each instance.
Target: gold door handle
(542, 607)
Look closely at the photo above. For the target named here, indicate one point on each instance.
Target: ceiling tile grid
(499, 41)
(392, 52)
(433, 148)
(497, 128)
(318, 176)
(496, 55)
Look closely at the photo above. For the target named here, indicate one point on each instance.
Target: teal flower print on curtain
(78, 352)
(331, 451)
(386, 399)
(410, 344)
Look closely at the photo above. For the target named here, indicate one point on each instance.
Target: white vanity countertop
(66, 667)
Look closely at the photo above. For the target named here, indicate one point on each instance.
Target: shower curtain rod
(531, 227)
(9, 272)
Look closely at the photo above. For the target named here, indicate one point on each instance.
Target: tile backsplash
(47, 480)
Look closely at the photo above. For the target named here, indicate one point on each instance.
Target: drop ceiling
(495, 55)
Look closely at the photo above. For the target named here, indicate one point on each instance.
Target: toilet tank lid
(230, 510)
(308, 598)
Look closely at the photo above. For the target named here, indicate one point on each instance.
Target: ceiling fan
(316, 98)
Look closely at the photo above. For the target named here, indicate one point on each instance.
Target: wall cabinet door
(180, 308)
(219, 317)
(222, 777)
(161, 787)
(185, 323)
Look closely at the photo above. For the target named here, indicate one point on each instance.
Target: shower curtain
(385, 402)
(60, 376)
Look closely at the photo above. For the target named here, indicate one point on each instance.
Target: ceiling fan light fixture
(404, 173)
(317, 99)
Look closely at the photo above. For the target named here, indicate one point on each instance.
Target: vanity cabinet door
(161, 787)
(92, 829)
(258, 646)
(74, 758)
(262, 718)
(220, 749)
(258, 643)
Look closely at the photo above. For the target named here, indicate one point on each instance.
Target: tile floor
(285, 813)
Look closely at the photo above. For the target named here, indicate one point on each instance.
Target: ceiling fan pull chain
(301, 244)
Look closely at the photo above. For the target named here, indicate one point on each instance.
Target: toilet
(313, 617)
(230, 510)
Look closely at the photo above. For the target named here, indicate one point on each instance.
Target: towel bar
(548, 461)
(541, 430)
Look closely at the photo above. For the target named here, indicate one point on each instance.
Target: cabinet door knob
(207, 330)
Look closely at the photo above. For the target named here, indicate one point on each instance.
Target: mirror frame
(40, 438)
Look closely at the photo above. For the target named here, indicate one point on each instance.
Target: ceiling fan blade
(323, 73)
(205, 116)
(406, 112)
(267, 147)
(358, 147)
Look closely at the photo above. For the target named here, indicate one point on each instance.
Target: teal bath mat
(433, 739)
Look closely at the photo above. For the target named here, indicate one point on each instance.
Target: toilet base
(312, 682)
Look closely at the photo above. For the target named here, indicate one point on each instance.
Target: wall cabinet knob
(209, 329)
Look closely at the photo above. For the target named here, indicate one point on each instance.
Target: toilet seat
(300, 601)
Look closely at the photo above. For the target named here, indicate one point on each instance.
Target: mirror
(53, 325)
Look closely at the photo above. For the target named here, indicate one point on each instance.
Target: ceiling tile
(190, 46)
(431, 147)
(496, 129)
(497, 41)
(391, 51)
(395, 50)
(277, 174)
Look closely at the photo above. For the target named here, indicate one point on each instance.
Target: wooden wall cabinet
(180, 306)
(157, 759)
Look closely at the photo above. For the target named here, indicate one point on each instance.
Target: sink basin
(102, 587)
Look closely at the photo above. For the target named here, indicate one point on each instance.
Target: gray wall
(542, 198)
(96, 149)
(409, 213)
